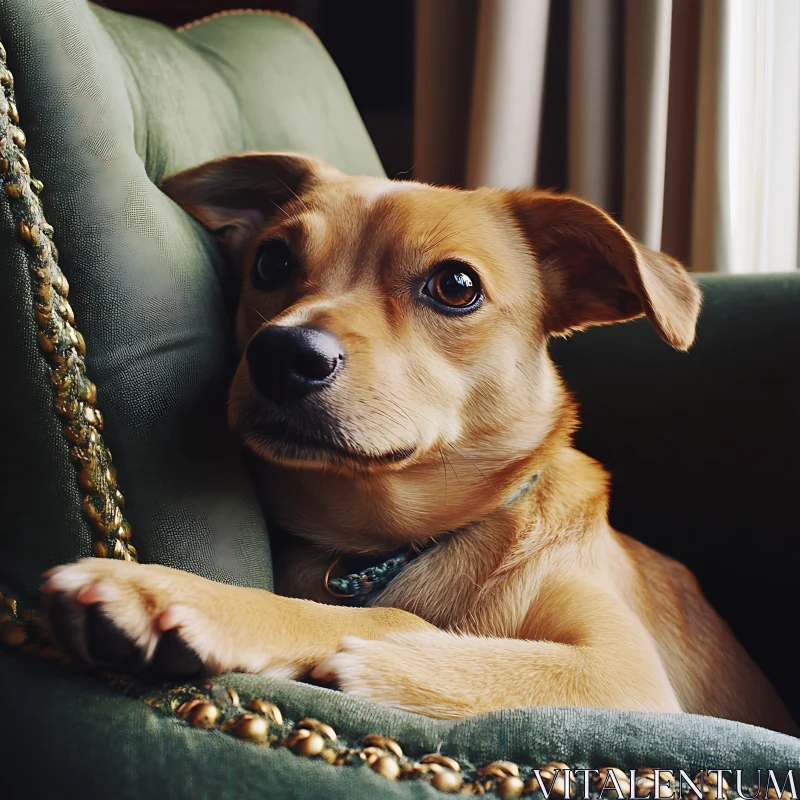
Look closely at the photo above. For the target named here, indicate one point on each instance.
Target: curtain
(679, 117)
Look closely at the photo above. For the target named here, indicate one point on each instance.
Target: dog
(442, 548)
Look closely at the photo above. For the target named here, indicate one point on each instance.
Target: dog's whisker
(380, 411)
(444, 470)
(443, 239)
(253, 308)
(289, 188)
(455, 472)
(437, 227)
(476, 468)
(281, 209)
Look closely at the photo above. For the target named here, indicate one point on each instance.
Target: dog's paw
(394, 671)
(142, 617)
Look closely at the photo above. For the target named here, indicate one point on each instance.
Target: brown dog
(396, 389)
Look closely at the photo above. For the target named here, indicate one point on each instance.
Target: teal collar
(358, 586)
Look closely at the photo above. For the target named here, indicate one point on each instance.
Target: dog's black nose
(287, 364)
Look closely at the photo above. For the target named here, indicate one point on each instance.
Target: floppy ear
(594, 272)
(234, 196)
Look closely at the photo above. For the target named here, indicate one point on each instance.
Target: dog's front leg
(176, 623)
(592, 652)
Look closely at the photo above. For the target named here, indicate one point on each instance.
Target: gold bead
(24, 162)
(387, 767)
(116, 520)
(510, 787)
(447, 781)
(444, 761)
(44, 342)
(111, 473)
(37, 185)
(43, 315)
(75, 431)
(499, 769)
(14, 189)
(384, 743)
(80, 345)
(233, 695)
(133, 553)
(87, 478)
(311, 745)
(602, 774)
(13, 114)
(772, 794)
(19, 138)
(2, 53)
(124, 531)
(203, 715)
(11, 604)
(120, 551)
(60, 283)
(65, 309)
(269, 710)
(328, 755)
(425, 769)
(559, 787)
(251, 728)
(44, 293)
(710, 780)
(25, 230)
(13, 634)
(99, 550)
(88, 392)
(650, 773)
(623, 779)
(67, 407)
(373, 754)
(645, 785)
(186, 707)
(6, 78)
(319, 727)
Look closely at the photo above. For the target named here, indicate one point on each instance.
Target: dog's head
(398, 331)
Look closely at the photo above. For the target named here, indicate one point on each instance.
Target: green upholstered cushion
(701, 445)
(111, 104)
(703, 451)
(82, 740)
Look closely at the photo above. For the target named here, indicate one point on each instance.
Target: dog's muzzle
(288, 364)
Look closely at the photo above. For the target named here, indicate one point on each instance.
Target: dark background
(372, 43)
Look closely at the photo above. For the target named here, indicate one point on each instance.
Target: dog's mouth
(288, 443)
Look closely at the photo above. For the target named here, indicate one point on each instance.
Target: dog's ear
(234, 196)
(594, 272)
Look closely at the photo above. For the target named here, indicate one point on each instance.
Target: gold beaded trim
(62, 344)
(238, 12)
(212, 706)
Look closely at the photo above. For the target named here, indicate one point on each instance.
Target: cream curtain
(682, 117)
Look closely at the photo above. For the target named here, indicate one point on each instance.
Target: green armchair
(702, 447)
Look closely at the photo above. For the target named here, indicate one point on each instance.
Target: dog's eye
(454, 285)
(274, 263)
